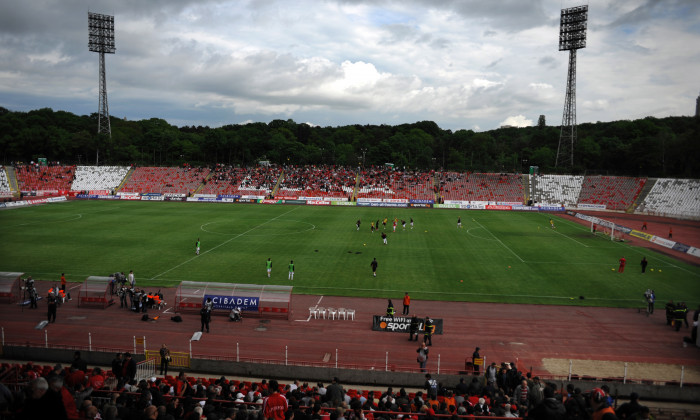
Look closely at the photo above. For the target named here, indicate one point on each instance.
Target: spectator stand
(10, 288)
(95, 292)
(253, 299)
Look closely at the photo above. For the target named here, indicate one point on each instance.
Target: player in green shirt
(269, 267)
(291, 270)
(196, 245)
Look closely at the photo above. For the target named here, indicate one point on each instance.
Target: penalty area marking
(499, 241)
(220, 245)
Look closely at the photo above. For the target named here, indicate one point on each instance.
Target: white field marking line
(221, 244)
(309, 318)
(500, 242)
(567, 237)
(462, 293)
(469, 232)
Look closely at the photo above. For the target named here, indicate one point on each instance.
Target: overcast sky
(465, 64)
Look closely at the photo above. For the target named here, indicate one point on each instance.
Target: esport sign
(401, 324)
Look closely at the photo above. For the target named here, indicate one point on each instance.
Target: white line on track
(221, 244)
(316, 306)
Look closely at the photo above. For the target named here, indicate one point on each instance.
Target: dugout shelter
(94, 292)
(253, 299)
(10, 286)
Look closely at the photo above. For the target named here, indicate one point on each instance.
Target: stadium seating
(183, 180)
(224, 180)
(616, 193)
(389, 184)
(98, 177)
(317, 181)
(4, 182)
(481, 187)
(34, 177)
(673, 198)
(558, 189)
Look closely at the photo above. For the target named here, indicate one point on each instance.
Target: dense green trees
(646, 147)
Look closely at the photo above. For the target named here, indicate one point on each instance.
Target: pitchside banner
(401, 324)
(246, 303)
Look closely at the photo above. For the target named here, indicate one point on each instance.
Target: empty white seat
(342, 312)
(332, 312)
(313, 311)
(321, 311)
(350, 313)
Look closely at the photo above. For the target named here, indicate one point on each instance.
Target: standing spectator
(629, 409)
(491, 372)
(644, 225)
(599, 403)
(78, 362)
(117, 366)
(128, 369)
(390, 309)
(334, 393)
(275, 405)
(413, 328)
(164, 359)
(522, 393)
(431, 386)
(429, 329)
(406, 303)
(549, 409)
(374, 264)
(205, 316)
(650, 297)
(670, 308)
(670, 233)
(422, 358)
(476, 356)
(576, 406)
(52, 302)
(621, 269)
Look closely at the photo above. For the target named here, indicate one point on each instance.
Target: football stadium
(202, 265)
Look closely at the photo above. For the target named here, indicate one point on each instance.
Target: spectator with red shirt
(96, 380)
(274, 405)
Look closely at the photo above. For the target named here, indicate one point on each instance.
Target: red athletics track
(503, 331)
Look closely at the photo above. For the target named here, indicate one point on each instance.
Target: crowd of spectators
(77, 392)
(315, 181)
(382, 182)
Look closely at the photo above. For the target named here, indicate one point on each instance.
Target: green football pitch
(510, 257)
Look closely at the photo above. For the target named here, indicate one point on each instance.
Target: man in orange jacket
(406, 303)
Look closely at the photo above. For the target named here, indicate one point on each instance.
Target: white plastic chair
(321, 311)
(350, 313)
(341, 311)
(313, 310)
(332, 312)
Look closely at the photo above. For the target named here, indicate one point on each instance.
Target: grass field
(511, 257)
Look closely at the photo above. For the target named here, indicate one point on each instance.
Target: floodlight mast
(572, 36)
(101, 40)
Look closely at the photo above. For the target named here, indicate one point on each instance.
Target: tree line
(655, 147)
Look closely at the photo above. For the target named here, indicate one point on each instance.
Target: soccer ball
(364, 244)
(659, 270)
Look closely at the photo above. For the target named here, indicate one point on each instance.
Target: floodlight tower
(572, 36)
(101, 40)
